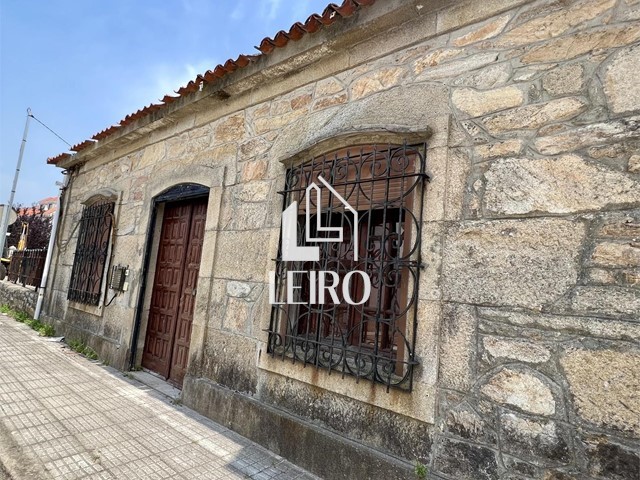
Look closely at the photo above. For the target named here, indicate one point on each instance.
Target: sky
(83, 65)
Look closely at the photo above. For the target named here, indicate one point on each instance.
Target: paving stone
(86, 422)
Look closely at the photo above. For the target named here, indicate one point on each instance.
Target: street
(65, 417)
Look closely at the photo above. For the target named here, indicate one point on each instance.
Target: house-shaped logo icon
(322, 284)
(293, 252)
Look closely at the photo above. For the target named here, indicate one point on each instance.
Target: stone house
(490, 150)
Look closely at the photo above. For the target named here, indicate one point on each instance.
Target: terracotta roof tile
(58, 158)
(298, 30)
(106, 132)
(82, 145)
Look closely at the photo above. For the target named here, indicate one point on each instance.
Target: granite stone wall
(17, 297)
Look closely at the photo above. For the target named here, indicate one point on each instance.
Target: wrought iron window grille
(91, 253)
(376, 340)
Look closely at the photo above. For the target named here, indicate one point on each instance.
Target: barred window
(91, 253)
(373, 340)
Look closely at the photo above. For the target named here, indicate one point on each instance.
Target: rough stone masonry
(528, 328)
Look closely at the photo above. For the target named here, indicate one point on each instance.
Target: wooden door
(166, 348)
(191, 267)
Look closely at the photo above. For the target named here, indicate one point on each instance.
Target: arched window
(383, 187)
(90, 259)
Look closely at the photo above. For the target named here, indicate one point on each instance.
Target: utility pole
(5, 216)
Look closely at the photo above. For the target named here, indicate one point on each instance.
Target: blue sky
(82, 65)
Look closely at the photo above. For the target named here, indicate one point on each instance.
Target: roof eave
(293, 56)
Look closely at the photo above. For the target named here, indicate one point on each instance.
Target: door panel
(166, 348)
(180, 354)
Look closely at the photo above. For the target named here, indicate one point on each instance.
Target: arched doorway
(179, 250)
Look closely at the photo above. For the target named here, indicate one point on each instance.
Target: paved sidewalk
(62, 416)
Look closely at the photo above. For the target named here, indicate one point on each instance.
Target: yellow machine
(22, 243)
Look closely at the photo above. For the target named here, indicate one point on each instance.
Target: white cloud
(197, 7)
(301, 11)
(239, 12)
(160, 80)
(269, 8)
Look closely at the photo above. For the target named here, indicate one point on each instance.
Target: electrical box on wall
(119, 276)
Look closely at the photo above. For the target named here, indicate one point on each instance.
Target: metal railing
(27, 267)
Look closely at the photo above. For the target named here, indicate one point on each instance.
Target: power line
(33, 116)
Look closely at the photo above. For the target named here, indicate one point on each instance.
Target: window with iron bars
(375, 340)
(91, 253)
